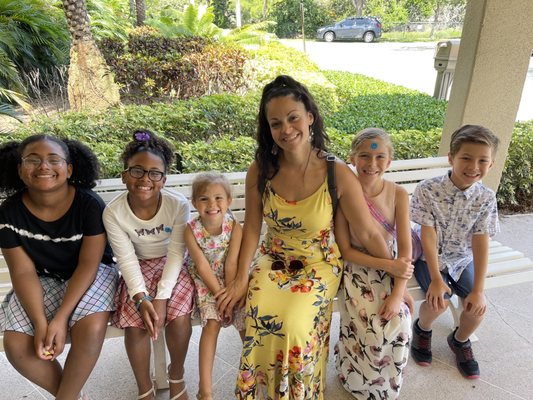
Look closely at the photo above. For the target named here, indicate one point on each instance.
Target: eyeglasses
(294, 265)
(35, 162)
(138, 173)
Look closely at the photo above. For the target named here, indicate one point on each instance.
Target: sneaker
(421, 346)
(466, 363)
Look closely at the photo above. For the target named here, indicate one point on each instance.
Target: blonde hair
(201, 181)
(473, 134)
(371, 133)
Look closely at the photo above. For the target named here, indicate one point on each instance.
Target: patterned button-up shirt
(456, 215)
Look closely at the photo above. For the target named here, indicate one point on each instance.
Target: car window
(348, 22)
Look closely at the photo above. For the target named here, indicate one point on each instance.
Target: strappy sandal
(148, 393)
(204, 397)
(176, 397)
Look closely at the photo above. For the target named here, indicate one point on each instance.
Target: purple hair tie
(141, 136)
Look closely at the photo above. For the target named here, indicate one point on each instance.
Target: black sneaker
(421, 346)
(466, 363)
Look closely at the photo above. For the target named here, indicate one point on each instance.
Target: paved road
(406, 64)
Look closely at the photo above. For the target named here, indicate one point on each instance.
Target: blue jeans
(461, 288)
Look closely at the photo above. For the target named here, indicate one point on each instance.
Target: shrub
(369, 102)
(516, 186)
(153, 67)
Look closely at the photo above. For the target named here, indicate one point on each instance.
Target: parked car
(366, 28)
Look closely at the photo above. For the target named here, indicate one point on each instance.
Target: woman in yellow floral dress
(297, 271)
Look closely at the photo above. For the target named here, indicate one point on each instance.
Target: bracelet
(141, 300)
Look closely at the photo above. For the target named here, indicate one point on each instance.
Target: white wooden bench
(506, 266)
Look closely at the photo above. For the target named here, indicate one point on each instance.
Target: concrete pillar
(492, 64)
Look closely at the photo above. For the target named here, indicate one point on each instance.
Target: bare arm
(396, 267)
(475, 302)
(354, 207)
(391, 306)
(29, 291)
(253, 219)
(437, 287)
(201, 262)
(92, 249)
(232, 258)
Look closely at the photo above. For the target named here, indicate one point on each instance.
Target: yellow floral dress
(289, 312)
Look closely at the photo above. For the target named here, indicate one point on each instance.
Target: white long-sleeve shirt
(134, 239)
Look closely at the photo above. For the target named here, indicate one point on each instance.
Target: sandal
(148, 393)
(176, 397)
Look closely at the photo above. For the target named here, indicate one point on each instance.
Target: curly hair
(85, 165)
(284, 85)
(145, 140)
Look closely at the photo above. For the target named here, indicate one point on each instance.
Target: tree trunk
(90, 83)
(133, 11)
(436, 19)
(140, 9)
(358, 4)
(265, 8)
(238, 13)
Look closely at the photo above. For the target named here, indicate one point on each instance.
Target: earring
(274, 150)
(311, 134)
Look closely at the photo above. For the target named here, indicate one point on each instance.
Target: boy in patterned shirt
(456, 215)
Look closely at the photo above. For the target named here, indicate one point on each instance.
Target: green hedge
(217, 131)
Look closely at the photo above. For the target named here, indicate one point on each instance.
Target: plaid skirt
(181, 300)
(98, 298)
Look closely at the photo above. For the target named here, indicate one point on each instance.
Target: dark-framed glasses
(293, 266)
(138, 173)
(35, 162)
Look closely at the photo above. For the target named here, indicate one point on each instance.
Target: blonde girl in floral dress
(213, 239)
(298, 270)
(375, 321)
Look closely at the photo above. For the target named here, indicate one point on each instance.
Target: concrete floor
(504, 351)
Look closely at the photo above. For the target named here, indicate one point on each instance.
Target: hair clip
(142, 136)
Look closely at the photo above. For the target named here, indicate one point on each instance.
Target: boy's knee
(17, 347)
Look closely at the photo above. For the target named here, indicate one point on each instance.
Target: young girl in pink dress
(213, 239)
(145, 227)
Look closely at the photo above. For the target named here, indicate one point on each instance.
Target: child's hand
(160, 307)
(56, 336)
(435, 294)
(390, 307)
(408, 299)
(475, 303)
(38, 342)
(149, 317)
(402, 268)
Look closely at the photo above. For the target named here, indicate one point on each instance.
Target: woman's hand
(233, 294)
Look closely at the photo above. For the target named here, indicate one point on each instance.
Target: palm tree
(140, 12)
(90, 84)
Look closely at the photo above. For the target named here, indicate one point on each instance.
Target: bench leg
(160, 361)
(456, 307)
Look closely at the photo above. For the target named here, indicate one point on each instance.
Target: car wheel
(329, 36)
(368, 37)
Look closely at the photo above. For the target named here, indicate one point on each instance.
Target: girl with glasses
(145, 226)
(213, 239)
(64, 279)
